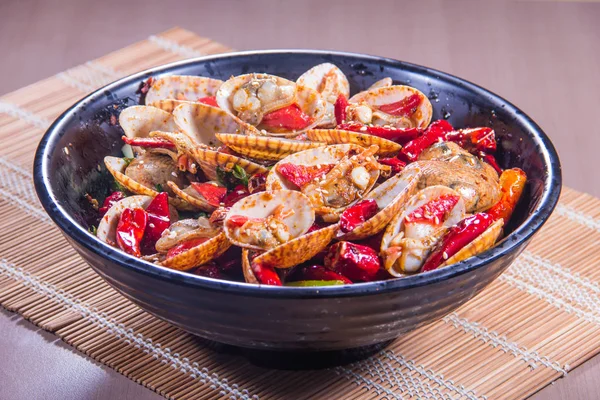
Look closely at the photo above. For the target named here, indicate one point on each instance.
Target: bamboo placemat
(534, 323)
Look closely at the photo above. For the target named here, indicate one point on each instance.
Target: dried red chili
(356, 262)
(434, 211)
(403, 108)
(149, 142)
(341, 103)
(434, 133)
(159, 219)
(209, 101)
(456, 238)
(356, 215)
(213, 194)
(130, 230)
(301, 175)
(289, 118)
(235, 195)
(185, 246)
(110, 201)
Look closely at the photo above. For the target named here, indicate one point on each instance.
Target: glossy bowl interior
(68, 165)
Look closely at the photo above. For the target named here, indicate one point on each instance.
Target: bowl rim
(69, 227)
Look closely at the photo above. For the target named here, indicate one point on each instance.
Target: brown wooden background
(543, 56)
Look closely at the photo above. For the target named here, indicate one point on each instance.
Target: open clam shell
(338, 136)
(107, 228)
(318, 156)
(189, 195)
(309, 101)
(391, 196)
(385, 82)
(391, 94)
(139, 121)
(200, 254)
(201, 122)
(184, 230)
(298, 250)
(208, 158)
(479, 191)
(480, 244)
(296, 222)
(264, 147)
(422, 236)
(181, 87)
(116, 166)
(330, 82)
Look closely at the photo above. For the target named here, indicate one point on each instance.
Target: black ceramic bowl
(291, 318)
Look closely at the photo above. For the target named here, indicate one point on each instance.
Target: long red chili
(403, 108)
(474, 139)
(149, 142)
(434, 211)
(212, 193)
(265, 274)
(341, 103)
(434, 133)
(159, 219)
(110, 201)
(130, 230)
(456, 238)
(398, 135)
(184, 246)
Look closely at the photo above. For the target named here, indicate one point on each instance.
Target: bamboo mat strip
(529, 327)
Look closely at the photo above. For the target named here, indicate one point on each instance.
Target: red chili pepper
(237, 221)
(238, 193)
(159, 219)
(301, 175)
(317, 273)
(357, 214)
(512, 184)
(340, 109)
(185, 246)
(358, 263)
(110, 201)
(490, 159)
(398, 135)
(435, 211)
(434, 132)
(130, 230)
(396, 164)
(289, 118)
(149, 142)
(403, 108)
(474, 139)
(213, 194)
(257, 183)
(209, 101)
(265, 274)
(456, 238)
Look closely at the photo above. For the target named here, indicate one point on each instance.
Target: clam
(249, 276)
(118, 168)
(338, 136)
(414, 231)
(264, 147)
(200, 254)
(352, 173)
(200, 122)
(182, 88)
(372, 107)
(298, 250)
(391, 196)
(250, 98)
(265, 220)
(479, 191)
(191, 196)
(107, 228)
(184, 230)
(139, 121)
(209, 159)
(384, 82)
(330, 82)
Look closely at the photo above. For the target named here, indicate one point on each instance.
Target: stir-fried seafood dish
(277, 182)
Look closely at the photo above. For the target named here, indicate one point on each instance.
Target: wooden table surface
(542, 56)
